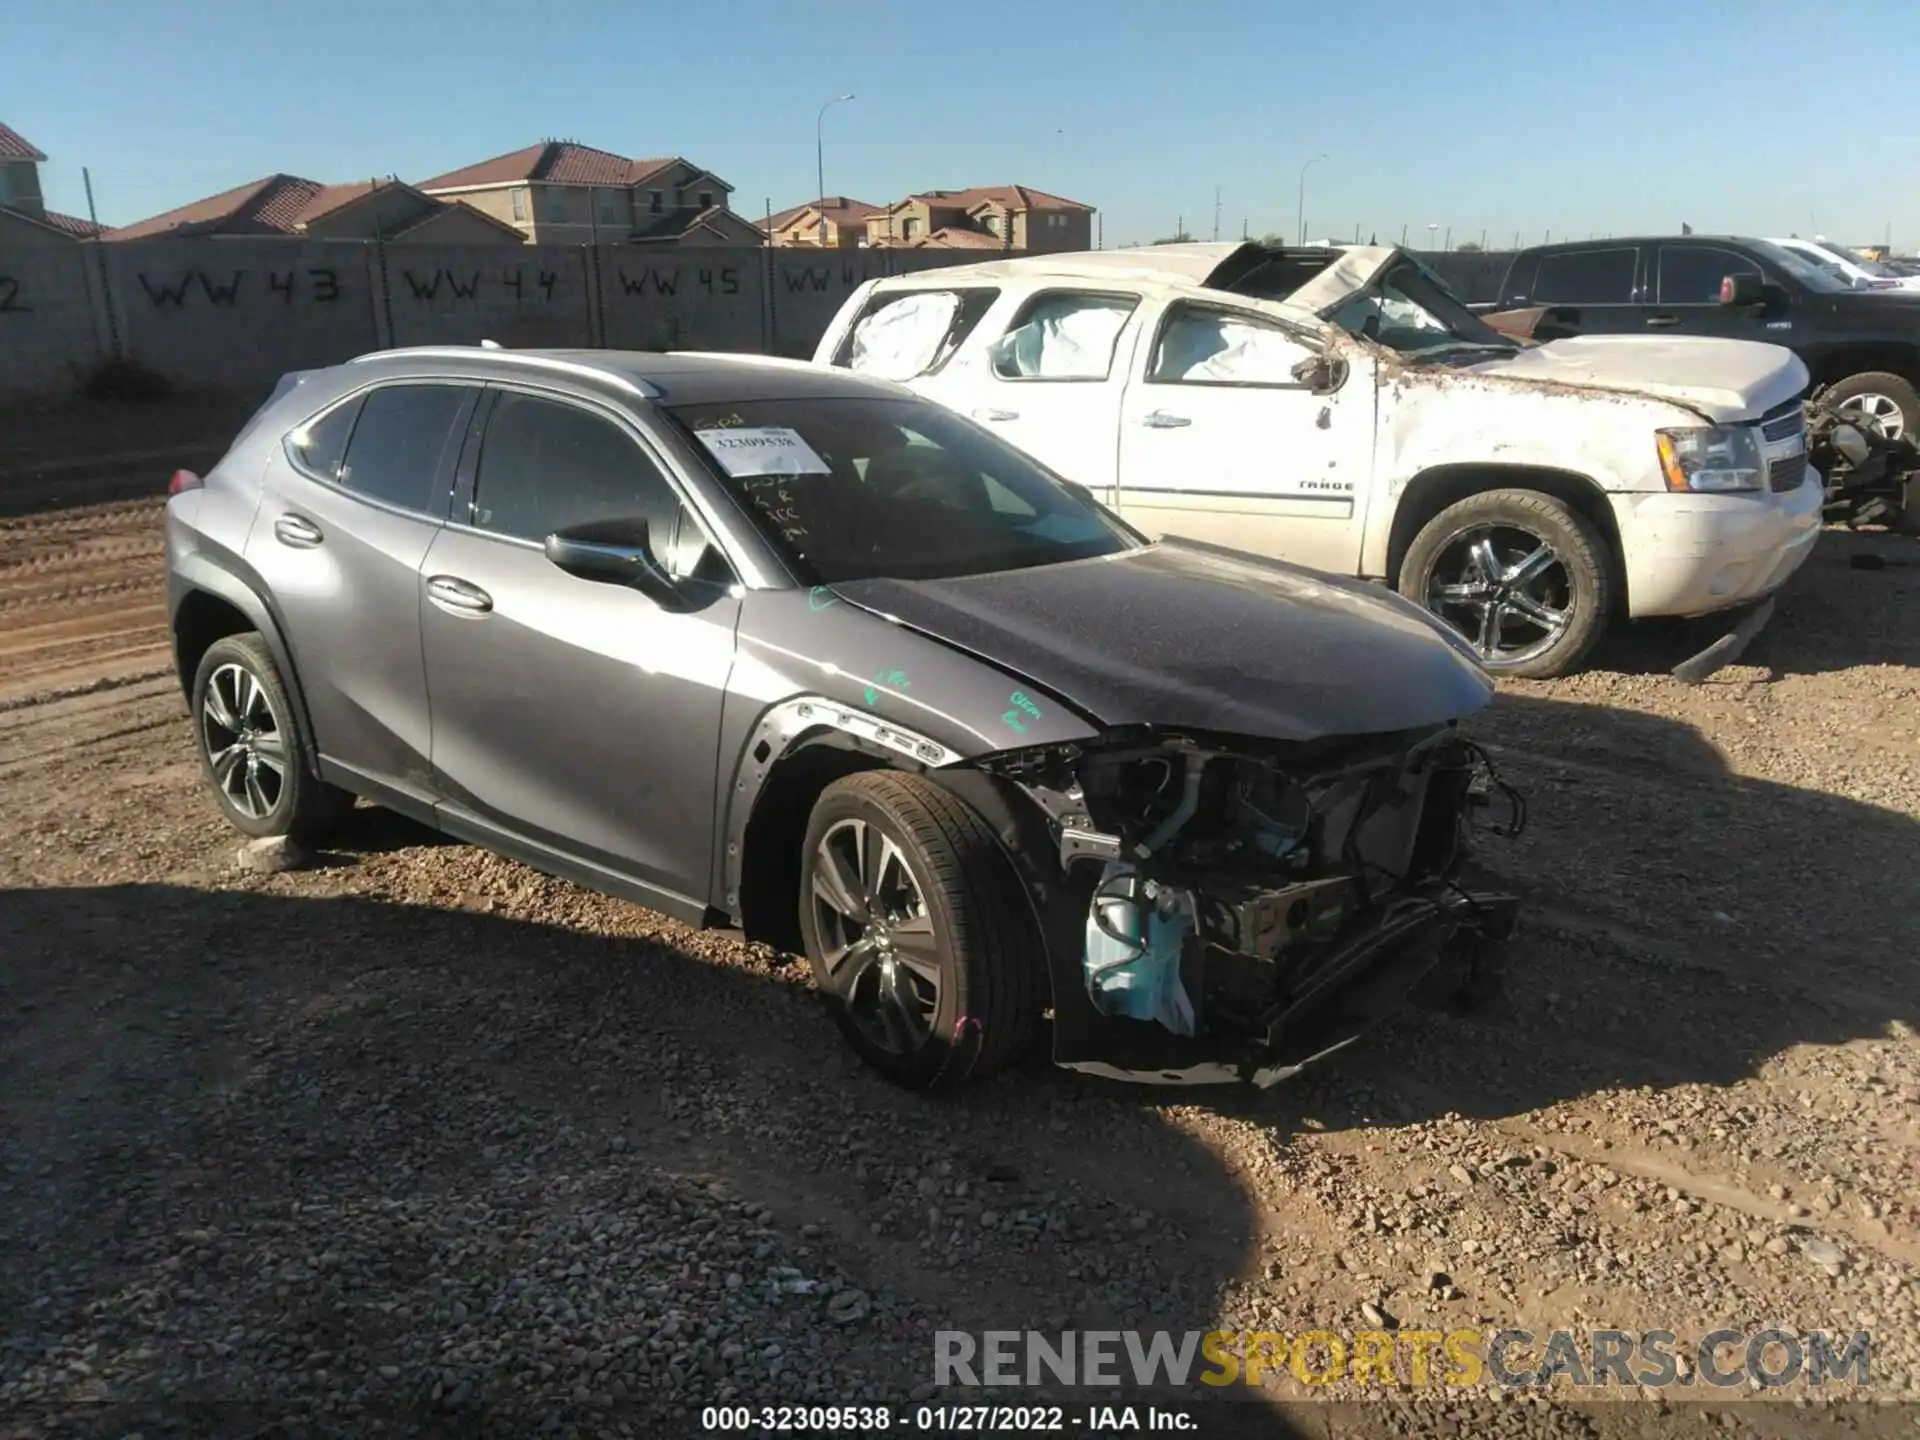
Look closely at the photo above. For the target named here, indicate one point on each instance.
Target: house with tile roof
(389, 210)
(833, 222)
(24, 217)
(562, 192)
(985, 217)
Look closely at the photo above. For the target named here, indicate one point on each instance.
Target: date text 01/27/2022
(948, 1419)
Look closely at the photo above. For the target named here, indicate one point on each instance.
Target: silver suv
(756, 643)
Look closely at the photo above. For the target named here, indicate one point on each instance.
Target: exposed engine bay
(1243, 906)
(1868, 475)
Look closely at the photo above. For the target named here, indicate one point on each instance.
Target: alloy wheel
(245, 744)
(1880, 411)
(1506, 589)
(877, 940)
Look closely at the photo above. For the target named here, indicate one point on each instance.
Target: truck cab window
(1691, 274)
(1586, 277)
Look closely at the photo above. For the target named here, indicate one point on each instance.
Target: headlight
(1711, 458)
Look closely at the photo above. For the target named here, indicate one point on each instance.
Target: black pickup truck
(1862, 347)
(1863, 343)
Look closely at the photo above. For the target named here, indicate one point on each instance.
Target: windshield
(1805, 269)
(1409, 310)
(1856, 259)
(859, 487)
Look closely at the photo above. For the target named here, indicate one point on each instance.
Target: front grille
(1786, 474)
(1786, 426)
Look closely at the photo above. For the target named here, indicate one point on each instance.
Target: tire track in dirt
(82, 597)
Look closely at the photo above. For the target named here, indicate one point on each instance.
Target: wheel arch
(208, 604)
(1888, 357)
(763, 865)
(1434, 489)
(776, 793)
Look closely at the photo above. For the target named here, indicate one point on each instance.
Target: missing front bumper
(1415, 945)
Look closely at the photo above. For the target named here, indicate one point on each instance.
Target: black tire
(298, 804)
(1584, 585)
(991, 961)
(1880, 383)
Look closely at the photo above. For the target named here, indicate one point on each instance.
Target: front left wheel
(251, 749)
(1523, 576)
(919, 931)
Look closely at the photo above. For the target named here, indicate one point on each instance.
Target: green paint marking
(820, 597)
(1023, 710)
(897, 679)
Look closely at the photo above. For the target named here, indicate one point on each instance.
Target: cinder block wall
(230, 314)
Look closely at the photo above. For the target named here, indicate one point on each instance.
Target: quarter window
(1063, 336)
(1691, 274)
(398, 442)
(547, 466)
(318, 448)
(1586, 277)
(1203, 346)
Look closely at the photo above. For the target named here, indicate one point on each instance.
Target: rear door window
(899, 336)
(1586, 277)
(1691, 274)
(398, 441)
(1063, 335)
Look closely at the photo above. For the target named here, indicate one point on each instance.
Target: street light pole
(819, 142)
(1300, 213)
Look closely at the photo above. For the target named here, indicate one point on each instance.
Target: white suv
(1342, 409)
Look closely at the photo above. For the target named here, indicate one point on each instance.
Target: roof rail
(641, 388)
(746, 358)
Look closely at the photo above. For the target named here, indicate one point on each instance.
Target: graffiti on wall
(466, 285)
(10, 301)
(320, 283)
(821, 277)
(651, 281)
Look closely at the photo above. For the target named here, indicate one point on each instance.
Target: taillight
(183, 481)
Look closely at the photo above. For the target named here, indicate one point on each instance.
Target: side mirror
(1320, 373)
(1743, 287)
(612, 552)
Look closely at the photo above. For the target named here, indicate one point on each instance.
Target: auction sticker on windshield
(763, 450)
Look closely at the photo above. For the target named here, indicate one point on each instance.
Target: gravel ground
(417, 1136)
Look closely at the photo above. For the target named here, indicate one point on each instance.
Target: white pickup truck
(1340, 408)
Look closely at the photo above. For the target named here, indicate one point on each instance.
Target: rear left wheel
(919, 931)
(250, 745)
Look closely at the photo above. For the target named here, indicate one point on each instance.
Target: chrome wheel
(878, 947)
(1880, 411)
(245, 745)
(1506, 589)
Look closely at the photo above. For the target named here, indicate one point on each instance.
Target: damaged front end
(1232, 909)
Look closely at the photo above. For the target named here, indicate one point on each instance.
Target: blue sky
(1499, 116)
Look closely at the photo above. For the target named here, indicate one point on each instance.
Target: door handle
(996, 414)
(1661, 322)
(450, 592)
(1161, 420)
(297, 531)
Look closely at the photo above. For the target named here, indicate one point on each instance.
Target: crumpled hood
(1728, 379)
(1186, 635)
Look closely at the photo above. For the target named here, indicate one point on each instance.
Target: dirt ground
(419, 1132)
